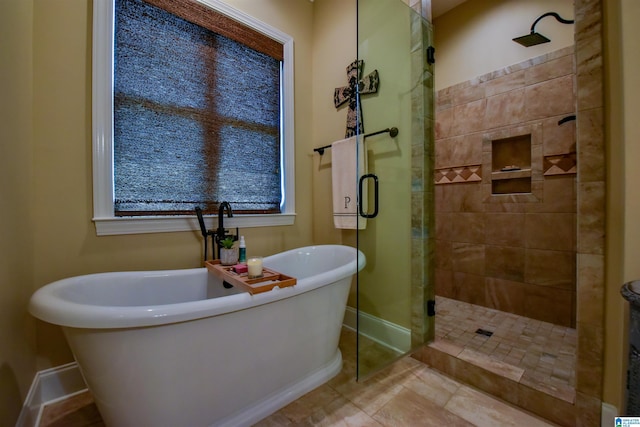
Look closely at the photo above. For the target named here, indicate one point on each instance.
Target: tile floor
(531, 352)
(407, 393)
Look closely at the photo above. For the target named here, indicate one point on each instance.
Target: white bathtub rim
(77, 315)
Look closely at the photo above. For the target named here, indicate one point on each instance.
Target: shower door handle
(375, 195)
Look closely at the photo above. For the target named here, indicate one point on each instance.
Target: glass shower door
(394, 290)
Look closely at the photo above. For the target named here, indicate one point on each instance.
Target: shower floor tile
(407, 393)
(535, 353)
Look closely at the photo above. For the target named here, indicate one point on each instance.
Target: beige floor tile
(492, 365)
(369, 395)
(302, 408)
(559, 390)
(484, 411)
(398, 372)
(275, 420)
(432, 385)
(340, 413)
(408, 409)
(447, 347)
(77, 411)
(372, 355)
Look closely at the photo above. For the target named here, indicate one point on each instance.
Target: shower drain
(484, 332)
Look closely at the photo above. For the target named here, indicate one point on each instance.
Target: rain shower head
(531, 39)
(534, 38)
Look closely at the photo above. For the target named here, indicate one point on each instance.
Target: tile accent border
(562, 164)
(458, 174)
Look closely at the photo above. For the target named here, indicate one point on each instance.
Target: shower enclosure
(395, 290)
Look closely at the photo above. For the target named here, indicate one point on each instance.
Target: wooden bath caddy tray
(268, 281)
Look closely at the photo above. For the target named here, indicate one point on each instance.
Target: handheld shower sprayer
(203, 230)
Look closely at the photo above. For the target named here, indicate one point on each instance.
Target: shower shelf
(269, 280)
(520, 173)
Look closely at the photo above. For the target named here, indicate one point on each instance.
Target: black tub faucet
(220, 233)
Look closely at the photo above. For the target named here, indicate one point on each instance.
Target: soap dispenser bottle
(242, 253)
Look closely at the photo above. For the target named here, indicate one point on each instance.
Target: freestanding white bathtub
(175, 348)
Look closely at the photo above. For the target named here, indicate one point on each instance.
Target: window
(223, 150)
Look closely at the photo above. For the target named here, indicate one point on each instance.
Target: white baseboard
(608, 415)
(47, 387)
(379, 330)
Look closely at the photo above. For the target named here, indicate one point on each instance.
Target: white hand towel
(348, 164)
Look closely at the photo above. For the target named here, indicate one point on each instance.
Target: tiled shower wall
(513, 252)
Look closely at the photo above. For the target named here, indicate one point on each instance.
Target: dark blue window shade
(196, 118)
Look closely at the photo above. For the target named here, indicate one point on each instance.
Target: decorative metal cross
(351, 93)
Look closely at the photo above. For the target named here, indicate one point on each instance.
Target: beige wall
(630, 102)
(17, 330)
(334, 48)
(616, 313)
(480, 32)
(622, 101)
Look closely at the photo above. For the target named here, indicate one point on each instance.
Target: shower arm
(555, 15)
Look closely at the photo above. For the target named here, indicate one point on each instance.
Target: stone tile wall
(514, 252)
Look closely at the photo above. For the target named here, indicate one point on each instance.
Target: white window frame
(103, 183)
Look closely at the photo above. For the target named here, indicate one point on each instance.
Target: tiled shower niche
(511, 165)
(514, 155)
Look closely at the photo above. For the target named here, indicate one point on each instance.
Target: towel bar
(393, 132)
